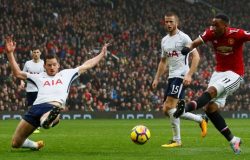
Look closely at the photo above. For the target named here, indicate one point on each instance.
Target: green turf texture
(110, 140)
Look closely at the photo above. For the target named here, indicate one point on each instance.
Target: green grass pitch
(110, 140)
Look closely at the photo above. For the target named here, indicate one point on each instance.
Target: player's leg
(229, 84)
(31, 97)
(220, 82)
(201, 101)
(176, 91)
(20, 137)
(223, 84)
(202, 120)
(173, 91)
(175, 122)
(30, 122)
(220, 124)
(218, 121)
(169, 109)
(50, 118)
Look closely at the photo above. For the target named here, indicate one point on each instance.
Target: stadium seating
(75, 30)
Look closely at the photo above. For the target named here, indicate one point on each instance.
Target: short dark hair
(51, 56)
(223, 17)
(169, 14)
(35, 47)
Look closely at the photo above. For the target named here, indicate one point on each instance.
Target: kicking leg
(203, 100)
(220, 124)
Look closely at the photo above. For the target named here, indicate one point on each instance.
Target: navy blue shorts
(31, 97)
(175, 88)
(35, 113)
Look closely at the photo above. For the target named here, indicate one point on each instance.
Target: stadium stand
(74, 30)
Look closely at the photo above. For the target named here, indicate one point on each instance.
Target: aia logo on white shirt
(52, 83)
(172, 54)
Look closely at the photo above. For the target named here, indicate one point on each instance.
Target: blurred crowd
(76, 29)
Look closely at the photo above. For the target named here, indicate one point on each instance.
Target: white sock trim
(175, 124)
(29, 144)
(192, 117)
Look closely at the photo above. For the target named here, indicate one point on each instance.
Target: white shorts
(225, 83)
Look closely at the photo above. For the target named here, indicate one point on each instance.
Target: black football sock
(220, 124)
(200, 102)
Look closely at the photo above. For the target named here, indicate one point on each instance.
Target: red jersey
(228, 49)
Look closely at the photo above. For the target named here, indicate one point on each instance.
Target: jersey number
(175, 89)
(226, 80)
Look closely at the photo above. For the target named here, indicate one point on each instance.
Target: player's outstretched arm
(10, 46)
(94, 61)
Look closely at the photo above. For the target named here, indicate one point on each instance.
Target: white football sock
(234, 139)
(29, 144)
(191, 116)
(175, 123)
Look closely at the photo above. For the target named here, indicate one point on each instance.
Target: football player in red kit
(228, 47)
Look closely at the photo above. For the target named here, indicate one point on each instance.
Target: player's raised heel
(51, 117)
(172, 144)
(180, 108)
(235, 145)
(203, 126)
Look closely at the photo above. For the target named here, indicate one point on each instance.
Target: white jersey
(33, 68)
(171, 47)
(53, 88)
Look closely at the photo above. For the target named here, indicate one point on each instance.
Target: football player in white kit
(33, 66)
(53, 87)
(179, 76)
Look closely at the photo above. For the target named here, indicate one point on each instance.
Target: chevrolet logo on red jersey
(225, 50)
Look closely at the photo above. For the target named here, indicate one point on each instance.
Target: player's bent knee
(211, 107)
(212, 91)
(15, 144)
(166, 108)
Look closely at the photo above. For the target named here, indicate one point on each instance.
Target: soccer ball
(140, 134)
